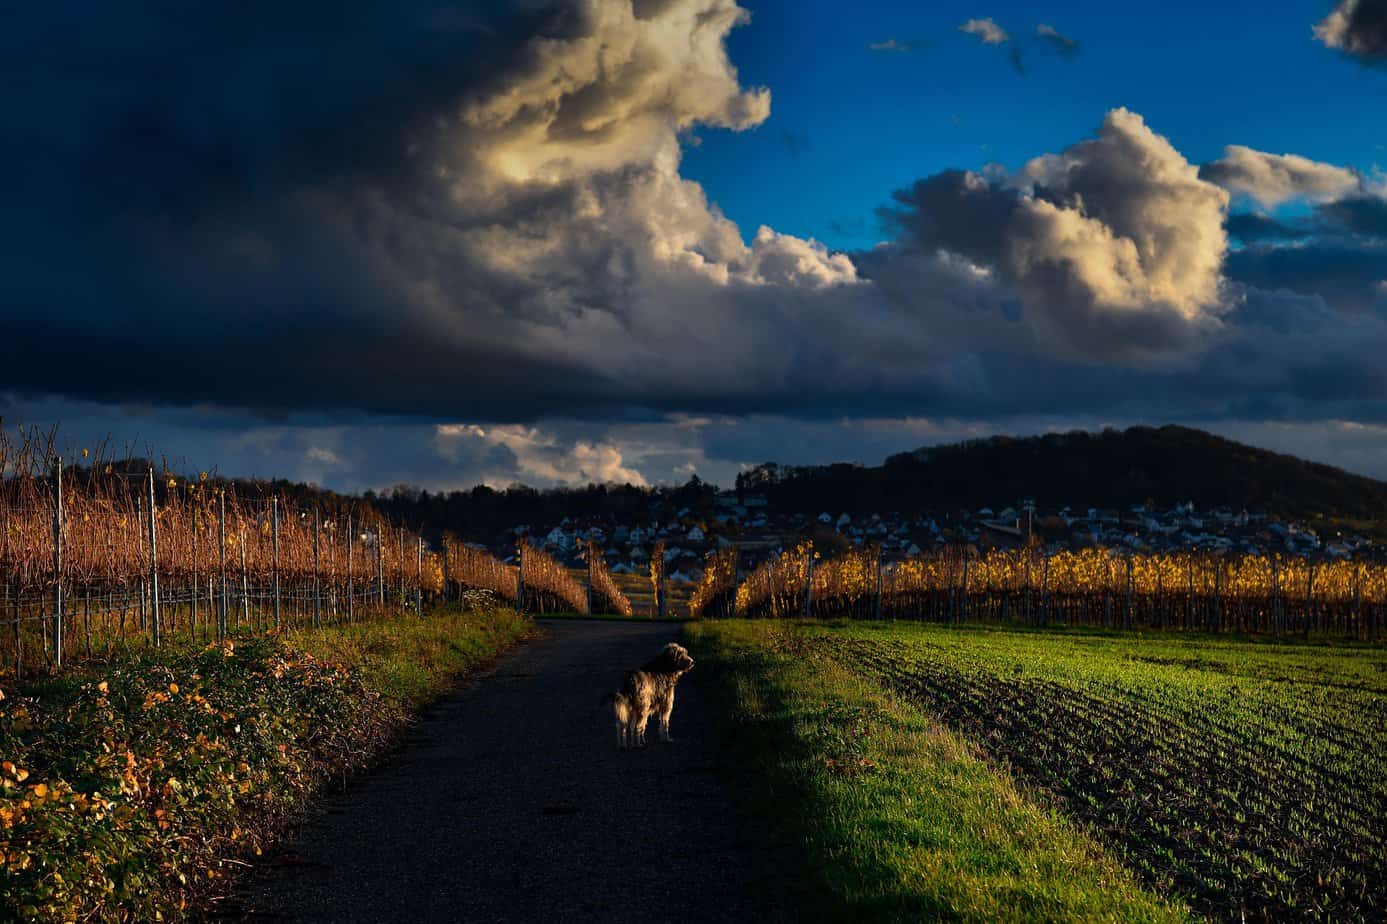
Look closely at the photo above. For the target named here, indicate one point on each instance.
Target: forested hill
(1111, 469)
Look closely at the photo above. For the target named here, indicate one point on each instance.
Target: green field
(1232, 780)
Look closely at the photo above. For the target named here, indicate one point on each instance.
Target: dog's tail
(619, 703)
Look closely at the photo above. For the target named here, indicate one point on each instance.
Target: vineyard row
(102, 560)
(1097, 587)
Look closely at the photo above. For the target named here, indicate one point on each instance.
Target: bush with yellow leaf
(124, 796)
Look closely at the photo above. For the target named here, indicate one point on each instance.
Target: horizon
(577, 241)
(182, 469)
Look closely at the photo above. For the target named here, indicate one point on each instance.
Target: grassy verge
(410, 659)
(899, 818)
(134, 792)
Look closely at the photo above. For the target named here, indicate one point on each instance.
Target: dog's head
(674, 659)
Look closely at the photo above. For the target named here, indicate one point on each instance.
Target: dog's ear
(666, 662)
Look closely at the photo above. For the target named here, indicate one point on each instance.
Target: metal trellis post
(221, 546)
(245, 584)
(877, 611)
(380, 566)
(58, 562)
(350, 537)
(154, 617)
(274, 540)
(317, 581)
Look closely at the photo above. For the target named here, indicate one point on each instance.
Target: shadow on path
(511, 803)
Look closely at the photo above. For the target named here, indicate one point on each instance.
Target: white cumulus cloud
(985, 29)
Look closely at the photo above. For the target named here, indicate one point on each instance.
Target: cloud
(895, 45)
(473, 216)
(1067, 47)
(542, 458)
(1255, 227)
(1362, 213)
(1341, 271)
(1357, 28)
(986, 30)
(1272, 179)
(1115, 245)
(498, 234)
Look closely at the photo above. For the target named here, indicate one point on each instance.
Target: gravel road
(511, 802)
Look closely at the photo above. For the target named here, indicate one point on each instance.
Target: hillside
(1116, 469)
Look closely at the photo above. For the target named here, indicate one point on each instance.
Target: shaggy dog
(649, 691)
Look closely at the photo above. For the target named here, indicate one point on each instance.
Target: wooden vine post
(1309, 597)
(1128, 621)
(1358, 600)
(221, 546)
(274, 540)
(587, 558)
(419, 576)
(736, 577)
(57, 562)
(192, 618)
(350, 543)
(520, 579)
(317, 578)
(446, 576)
(380, 566)
(809, 580)
(876, 612)
(400, 534)
(245, 584)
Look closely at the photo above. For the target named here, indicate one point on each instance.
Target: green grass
(409, 658)
(899, 817)
(1241, 778)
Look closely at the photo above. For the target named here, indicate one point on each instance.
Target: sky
(561, 241)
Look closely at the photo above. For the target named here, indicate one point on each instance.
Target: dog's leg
(665, 713)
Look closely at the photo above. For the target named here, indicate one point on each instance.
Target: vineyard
(93, 558)
(1096, 587)
(1250, 780)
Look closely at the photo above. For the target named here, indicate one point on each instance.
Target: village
(748, 522)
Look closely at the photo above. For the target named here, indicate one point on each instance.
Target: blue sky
(1203, 74)
(452, 241)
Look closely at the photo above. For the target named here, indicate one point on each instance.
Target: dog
(649, 691)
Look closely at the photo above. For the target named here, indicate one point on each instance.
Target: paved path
(512, 803)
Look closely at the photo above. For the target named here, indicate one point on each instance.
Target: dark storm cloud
(1343, 271)
(1254, 227)
(418, 209)
(1362, 214)
(163, 211)
(1357, 28)
(168, 110)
